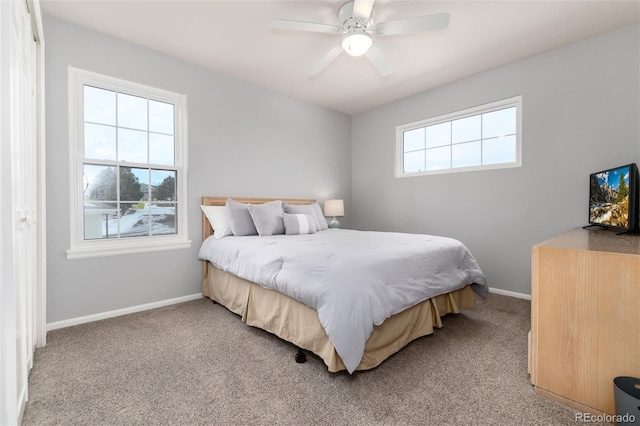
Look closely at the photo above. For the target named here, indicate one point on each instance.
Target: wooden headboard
(207, 230)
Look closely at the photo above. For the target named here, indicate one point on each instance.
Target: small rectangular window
(484, 137)
(128, 146)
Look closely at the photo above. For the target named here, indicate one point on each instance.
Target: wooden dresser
(585, 317)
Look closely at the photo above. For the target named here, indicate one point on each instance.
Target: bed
(266, 306)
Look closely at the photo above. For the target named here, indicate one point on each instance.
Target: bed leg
(301, 357)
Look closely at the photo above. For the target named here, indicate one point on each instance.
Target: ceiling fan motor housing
(350, 23)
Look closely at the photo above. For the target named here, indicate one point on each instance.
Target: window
(128, 150)
(485, 137)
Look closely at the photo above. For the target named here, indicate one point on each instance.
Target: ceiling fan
(356, 25)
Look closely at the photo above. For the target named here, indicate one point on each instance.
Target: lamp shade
(334, 208)
(357, 43)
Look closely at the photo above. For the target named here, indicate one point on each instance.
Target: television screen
(613, 197)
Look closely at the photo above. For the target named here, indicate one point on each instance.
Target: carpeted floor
(196, 364)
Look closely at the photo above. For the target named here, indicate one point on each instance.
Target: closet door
(19, 231)
(24, 189)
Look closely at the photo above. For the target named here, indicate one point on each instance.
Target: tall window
(485, 137)
(128, 148)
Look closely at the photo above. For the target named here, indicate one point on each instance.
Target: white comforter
(353, 279)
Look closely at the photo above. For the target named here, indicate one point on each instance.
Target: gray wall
(243, 140)
(580, 115)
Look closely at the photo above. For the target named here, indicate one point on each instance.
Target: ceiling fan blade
(379, 61)
(326, 60)
(410, 25)
(362, 8)
(286, 24)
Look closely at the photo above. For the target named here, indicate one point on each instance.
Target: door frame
(41, 271)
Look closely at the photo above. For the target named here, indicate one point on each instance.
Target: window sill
(101, 249)
(461, 169)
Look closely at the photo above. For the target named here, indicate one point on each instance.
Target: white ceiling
(235, 38)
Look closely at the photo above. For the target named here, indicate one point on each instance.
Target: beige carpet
(196, 364)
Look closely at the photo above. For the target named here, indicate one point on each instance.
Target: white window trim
(81, 248)
(493, 106)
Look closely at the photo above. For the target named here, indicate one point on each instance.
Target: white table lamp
(333, 208)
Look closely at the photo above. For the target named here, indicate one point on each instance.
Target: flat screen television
(613, 198)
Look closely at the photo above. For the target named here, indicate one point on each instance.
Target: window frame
(79, 246)
(515, 101)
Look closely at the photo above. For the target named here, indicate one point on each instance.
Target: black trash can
(627, 395)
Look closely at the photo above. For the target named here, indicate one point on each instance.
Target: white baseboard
(118, 312)
(510, 293)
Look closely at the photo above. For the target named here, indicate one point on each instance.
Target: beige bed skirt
(299, 324)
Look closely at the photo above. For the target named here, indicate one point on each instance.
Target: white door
(23, 147)
(19, 274)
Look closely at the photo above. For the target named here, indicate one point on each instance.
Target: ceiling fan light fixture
(357, 43)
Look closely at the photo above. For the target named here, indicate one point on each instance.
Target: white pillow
(217, 216)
